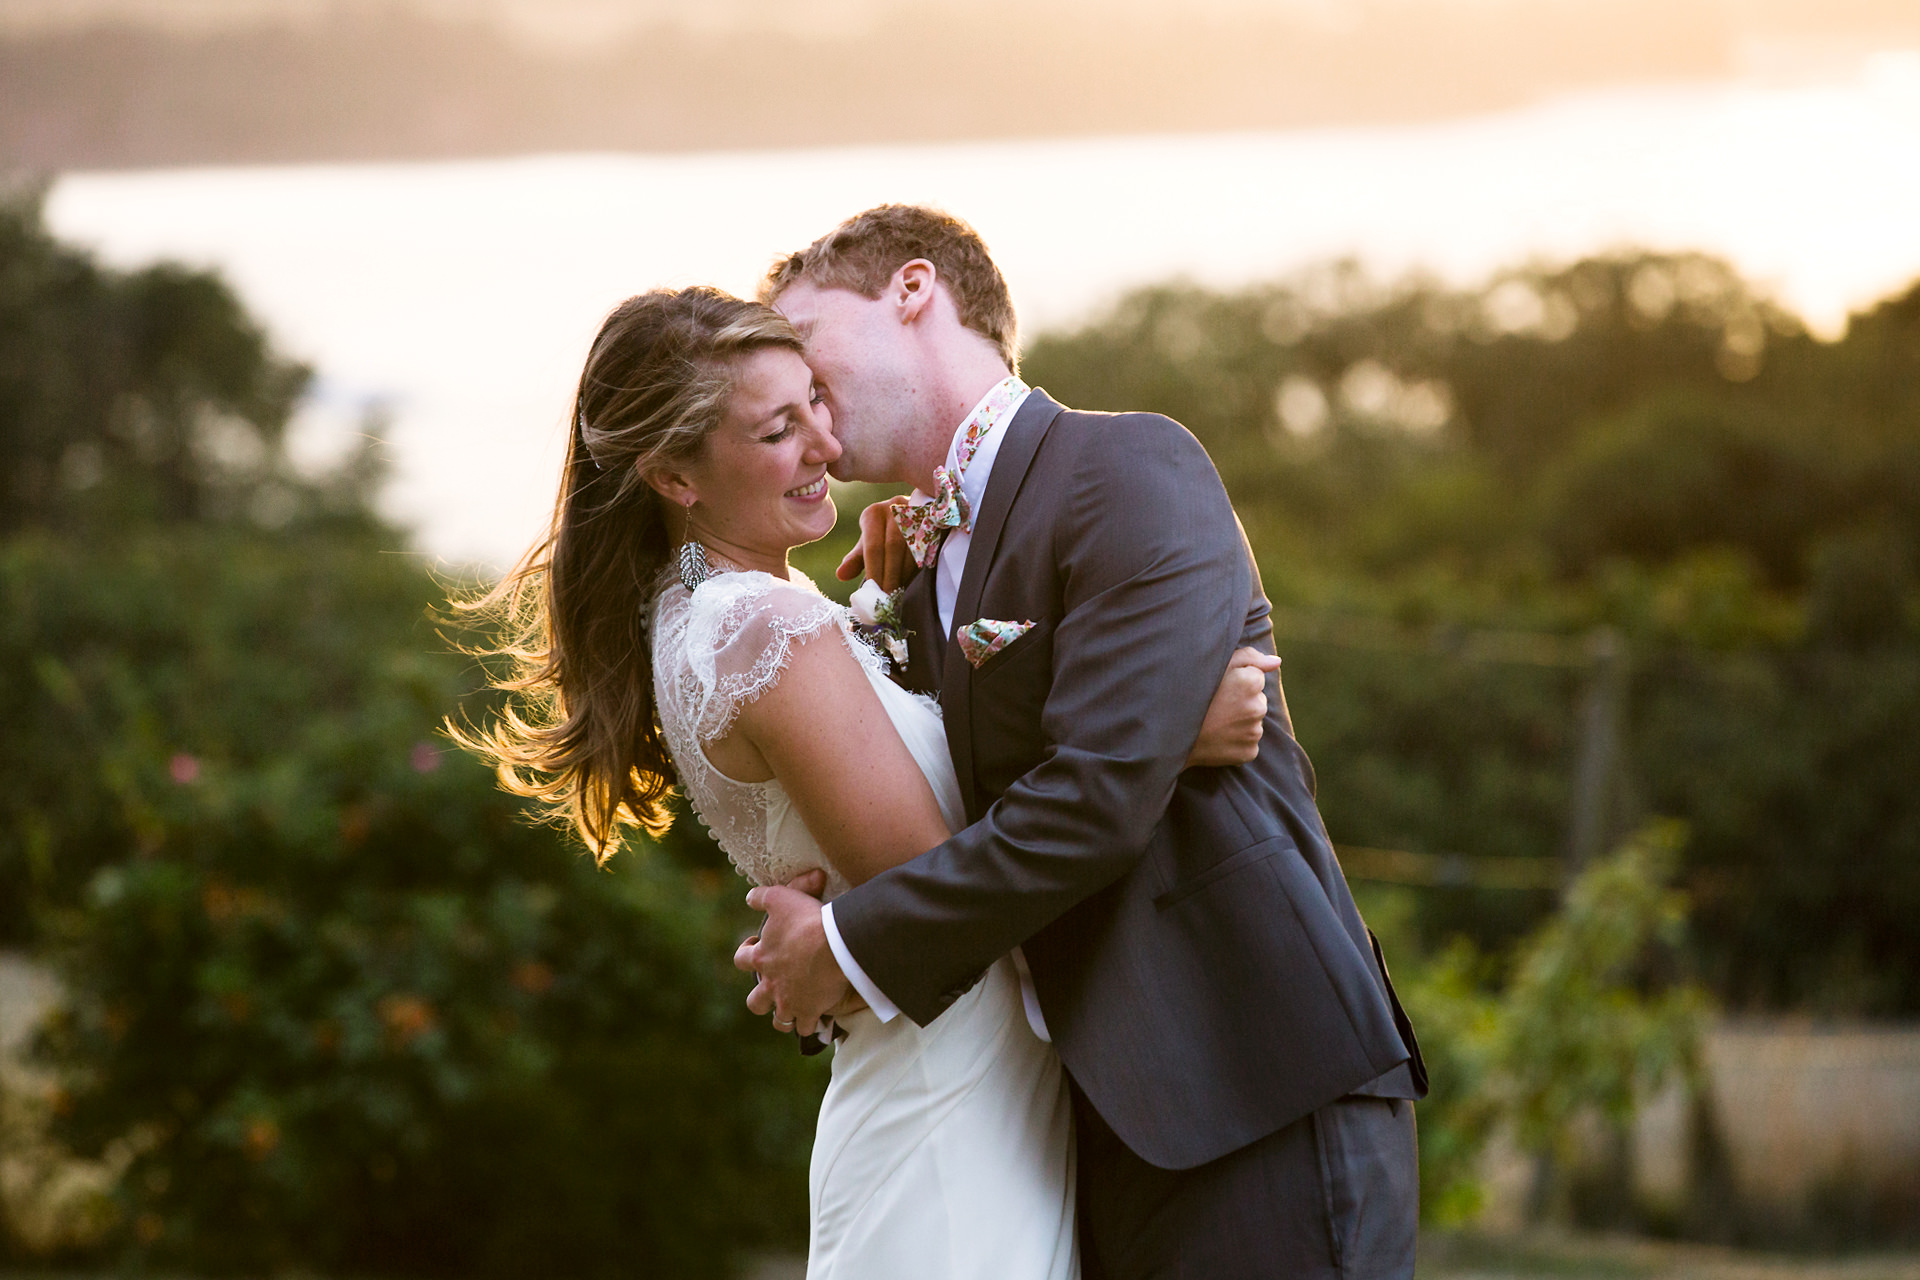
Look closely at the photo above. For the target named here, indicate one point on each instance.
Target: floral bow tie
(923, 520)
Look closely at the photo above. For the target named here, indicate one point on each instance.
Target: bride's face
(761, 476)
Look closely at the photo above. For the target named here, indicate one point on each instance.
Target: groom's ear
(911, 289)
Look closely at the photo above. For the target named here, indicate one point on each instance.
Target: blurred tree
(171, 581)
(1795, 772)
(1861, 580)
(148, 395)
(1675, 474)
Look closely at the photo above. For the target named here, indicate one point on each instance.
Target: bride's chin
(831, 517)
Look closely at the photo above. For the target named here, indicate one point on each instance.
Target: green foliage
(169, 581)
(326, 979)
(1674, 474)
(1796, 774)
(1459, 1023)
(1416, 748)
(351, 1011)
(1583, 1023)
(1577, 1029)
(211, 645)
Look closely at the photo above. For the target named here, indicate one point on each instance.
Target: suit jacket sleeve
(1154, 584)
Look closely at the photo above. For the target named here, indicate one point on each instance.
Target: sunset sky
(1703, 37)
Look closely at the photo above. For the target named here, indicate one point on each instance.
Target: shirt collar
(984, 426)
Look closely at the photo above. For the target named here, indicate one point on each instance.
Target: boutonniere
(878, 616)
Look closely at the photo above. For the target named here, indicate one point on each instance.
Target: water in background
(462, 295)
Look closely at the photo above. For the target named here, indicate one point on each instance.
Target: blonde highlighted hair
(579, 731)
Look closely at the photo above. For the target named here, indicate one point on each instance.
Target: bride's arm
(822, 732)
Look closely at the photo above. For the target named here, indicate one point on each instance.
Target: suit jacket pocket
(1225, 867)
(1034, 638)
(1006, 695)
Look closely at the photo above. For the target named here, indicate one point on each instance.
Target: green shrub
(1587, 1019)
(352, 1011)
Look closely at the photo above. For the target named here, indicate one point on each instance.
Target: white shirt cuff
(883, 1008)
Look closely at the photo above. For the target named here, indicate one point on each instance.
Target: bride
(661, 637)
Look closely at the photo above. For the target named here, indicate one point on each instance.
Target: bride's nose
(821, 445)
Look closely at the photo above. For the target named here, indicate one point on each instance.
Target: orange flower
(533, 977)
(406, 1018)
(263, 1137)
(219, 901)
(326, 1035)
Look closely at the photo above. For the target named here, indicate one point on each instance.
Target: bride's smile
(759, 483)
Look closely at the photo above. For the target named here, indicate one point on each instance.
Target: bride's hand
(1237, 715)
(882, 554)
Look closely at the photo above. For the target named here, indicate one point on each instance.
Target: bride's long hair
(579, 730)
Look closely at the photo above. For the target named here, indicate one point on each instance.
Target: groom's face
(856, 348)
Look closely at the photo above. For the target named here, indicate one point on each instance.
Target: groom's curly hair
(862, 253)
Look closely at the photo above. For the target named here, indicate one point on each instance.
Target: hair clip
(580, 425)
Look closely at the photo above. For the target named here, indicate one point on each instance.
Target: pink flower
(425, 757)
(184, 768)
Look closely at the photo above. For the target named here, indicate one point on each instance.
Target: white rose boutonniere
(878, 616)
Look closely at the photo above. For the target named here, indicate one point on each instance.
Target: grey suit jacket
(1196, 952)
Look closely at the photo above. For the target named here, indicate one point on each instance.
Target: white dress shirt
(950, 567)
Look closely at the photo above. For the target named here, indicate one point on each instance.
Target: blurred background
(1561, 356)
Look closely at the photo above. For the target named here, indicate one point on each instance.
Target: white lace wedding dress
(943, 1152)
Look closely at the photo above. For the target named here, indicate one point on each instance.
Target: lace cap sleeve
(736, 636)
(714, 651)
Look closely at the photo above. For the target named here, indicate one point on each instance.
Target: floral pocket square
(981, 639)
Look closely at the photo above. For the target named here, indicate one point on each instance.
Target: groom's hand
(882, 554)
(798, 978)
(1236, 718)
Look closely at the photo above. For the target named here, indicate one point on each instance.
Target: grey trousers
(1335, 1194)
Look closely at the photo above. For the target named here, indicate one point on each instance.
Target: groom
(1242, 1072)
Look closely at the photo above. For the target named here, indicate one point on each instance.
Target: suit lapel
(926, 643)
(1010, 466)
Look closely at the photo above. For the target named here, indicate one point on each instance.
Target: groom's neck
(965, 382)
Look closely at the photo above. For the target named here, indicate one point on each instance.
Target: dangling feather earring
(694, 568)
